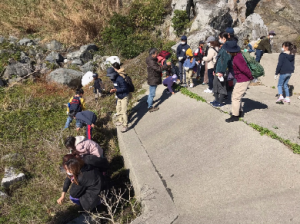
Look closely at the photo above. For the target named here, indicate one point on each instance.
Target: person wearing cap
(264, 46)
(122, 93)
(169, 82)
(181, 56)
(243, 77)
(199, 54)
(97, 86)
(211, 60)
(189, 66)
(154, 76)
(231, 36)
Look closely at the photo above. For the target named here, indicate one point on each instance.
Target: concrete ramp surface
(217, 172)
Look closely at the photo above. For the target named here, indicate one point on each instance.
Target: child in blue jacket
(189, 65)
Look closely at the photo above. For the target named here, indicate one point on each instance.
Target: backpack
(75, 104)
(256, 44)
(165, 55)
(256, 68)
(130, 85)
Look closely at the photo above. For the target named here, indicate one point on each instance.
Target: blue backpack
(75, 104)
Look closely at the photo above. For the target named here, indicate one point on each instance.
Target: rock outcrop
(85, 53)
(17, 69)
(11, 176)
(65, 76)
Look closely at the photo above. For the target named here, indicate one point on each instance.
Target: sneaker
(232, 119)
(118, 123)
(287, 100)
(204, 83)
(217, 104)
(213, 102)
(208, 91)
(192, 85)
(280, 100)
(124, 129)
(152, 109)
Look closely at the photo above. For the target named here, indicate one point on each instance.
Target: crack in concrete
(160, 176)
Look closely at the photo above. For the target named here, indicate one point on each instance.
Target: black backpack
(129, 83)
(75, 104)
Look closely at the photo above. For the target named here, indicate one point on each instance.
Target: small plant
(190, 94)
(273, 87)
(180, 21)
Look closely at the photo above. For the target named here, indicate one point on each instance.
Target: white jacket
(211, 57)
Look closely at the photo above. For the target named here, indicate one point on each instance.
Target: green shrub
(180, 21)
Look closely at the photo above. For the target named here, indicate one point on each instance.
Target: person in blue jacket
(285, 67)
(122, 92)
(86, 117)
(181, 56)
(189, 66)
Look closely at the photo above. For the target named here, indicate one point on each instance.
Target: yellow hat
(189, 52)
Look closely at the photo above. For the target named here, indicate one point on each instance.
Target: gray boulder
(12, 39)
(11, 176)
(2, 40)
(87, 67)
(11, 157)
(54, 57)
(26, 42)
(24, 58)
(85, 53)
(76, 62)
(17, 69)
(65, 76)
(3, 196)
(221, 19)
(54, 46)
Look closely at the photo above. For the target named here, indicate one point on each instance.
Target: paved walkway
(223, 173)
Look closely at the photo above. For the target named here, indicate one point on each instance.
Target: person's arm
(68, 109)
(242, 66)
(155, 66)
(178, 51)
(66, 186)
(192, 65)
(210, 55)
(268, 46)
(101, 163)
(82, 101)
(280, 63)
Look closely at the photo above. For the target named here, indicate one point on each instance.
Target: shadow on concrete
(250, 105)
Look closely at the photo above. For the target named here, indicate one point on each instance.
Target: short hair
(79, 91)
(224, 35)
(152, 51)
(116, 65)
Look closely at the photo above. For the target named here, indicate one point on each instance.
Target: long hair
(74, 165)
(70, 143)
(215, 44)
(291, 47)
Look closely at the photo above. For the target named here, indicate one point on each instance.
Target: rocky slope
(250, 18)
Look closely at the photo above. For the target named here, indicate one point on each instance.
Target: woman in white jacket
(211, 60)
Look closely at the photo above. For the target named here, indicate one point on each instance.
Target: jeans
(259, 54)
(151, 96)
(69, 121)
(210, 78)
(181, 72)
(283, 84)
(75, 200)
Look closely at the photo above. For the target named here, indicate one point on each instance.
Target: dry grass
(69, 21)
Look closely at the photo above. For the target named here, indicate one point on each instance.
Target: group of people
(222, 66)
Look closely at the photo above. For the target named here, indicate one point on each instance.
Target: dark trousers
(259, 54)
(210, 78)
(219, 97)
(89, 132)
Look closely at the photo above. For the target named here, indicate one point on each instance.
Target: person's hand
(180, 58)
(113, 91)
(77, 129)
(169, 63)
(60, 200)
(275, 77)
(173, 93)
(92, 125)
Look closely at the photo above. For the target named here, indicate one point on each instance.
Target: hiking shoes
(232, 119)
(280, 100)
(287, 100)
(124, 129)
(152, 109)
(212, 103)
(217, 104)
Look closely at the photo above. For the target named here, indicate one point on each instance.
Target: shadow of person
(250, 105)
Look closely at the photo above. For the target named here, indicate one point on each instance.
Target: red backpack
(163, 55)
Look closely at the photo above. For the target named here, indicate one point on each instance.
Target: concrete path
(217, 172)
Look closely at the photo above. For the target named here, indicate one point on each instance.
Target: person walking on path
(242, 75)
(211, 60)
(285, 68)
(88, 118)
(181, 56)
(190, 4)
(169, 82)
(223, 65)
(199, 54)
(154, 76)
(122, 93)
(189, 65)
(264, 46)
(76, 103)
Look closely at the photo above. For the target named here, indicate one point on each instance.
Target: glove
(180, 58)
(275, 77)
(186, 68)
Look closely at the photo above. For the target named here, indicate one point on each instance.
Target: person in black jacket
(97, 86)
(122, 92)
(101, 164)
(87, 182)
(85, 117)
(285, 67)
(181, 56)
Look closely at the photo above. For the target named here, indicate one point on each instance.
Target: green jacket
(223, 62)
(265, 45)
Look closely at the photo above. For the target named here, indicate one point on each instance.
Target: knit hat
(189, 52)
(174, 77)
(229, 30)
(231, 46)
(183, 38)
(79, 139)
(210, 39)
